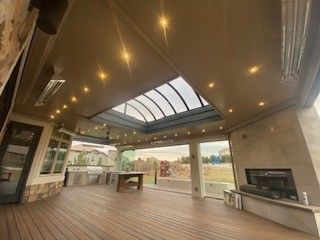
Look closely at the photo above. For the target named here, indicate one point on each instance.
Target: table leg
(119, 183)
(140, 182)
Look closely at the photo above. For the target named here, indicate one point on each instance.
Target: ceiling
(228, 51)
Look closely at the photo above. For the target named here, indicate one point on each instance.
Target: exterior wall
(16, 22)
(279, 141)
(17, 25)
(40, 191)
(43, 183)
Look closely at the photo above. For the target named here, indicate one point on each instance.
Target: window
(62, 152)
(56, 153)
(216, 167)
(50, 155)
(160, 164)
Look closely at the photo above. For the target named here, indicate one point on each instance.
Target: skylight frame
(166, 102)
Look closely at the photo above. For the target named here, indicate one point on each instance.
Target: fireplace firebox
(275, 183)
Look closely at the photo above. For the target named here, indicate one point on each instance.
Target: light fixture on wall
(295, 21)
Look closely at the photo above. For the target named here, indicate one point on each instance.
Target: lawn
(211, 173)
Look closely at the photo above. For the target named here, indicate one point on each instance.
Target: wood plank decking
(96, 212)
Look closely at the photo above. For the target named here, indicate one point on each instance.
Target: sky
(171, 153)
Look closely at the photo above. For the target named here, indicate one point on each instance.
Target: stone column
(118, 163)
(197, 183)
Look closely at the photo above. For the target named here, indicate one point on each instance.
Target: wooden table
(124, 180)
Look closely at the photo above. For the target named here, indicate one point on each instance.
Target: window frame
(60, 139)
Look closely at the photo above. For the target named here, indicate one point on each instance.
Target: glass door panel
(16, 153)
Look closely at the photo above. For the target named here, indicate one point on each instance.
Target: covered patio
(96, 212)
(230, 86)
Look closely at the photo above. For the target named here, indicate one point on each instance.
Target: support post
(197, 183)
(118, 160)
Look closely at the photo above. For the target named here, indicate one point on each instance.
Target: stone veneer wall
(15, 24)
(40, 191)
(279, 141)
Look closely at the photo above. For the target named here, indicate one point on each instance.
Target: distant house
(91, 155)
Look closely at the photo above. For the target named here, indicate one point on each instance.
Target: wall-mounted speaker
(51, 13)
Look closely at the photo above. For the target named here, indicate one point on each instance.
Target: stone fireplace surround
(287, 139)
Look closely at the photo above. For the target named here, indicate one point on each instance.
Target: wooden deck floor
(95, 212)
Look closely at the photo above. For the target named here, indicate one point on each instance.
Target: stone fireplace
(276, 181)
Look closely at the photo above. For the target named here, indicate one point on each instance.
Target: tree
(226, 158)
(206, 160)
(185, 160)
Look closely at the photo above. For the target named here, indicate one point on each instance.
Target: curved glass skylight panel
(164, 105)
(205, 103)
(151, 106)
(142, 109)
(119, 108)
(189, 96)
(134, 113)
(173, 98)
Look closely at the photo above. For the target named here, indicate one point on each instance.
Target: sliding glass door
(16, 153)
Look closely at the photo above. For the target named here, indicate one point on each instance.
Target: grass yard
(211, 173)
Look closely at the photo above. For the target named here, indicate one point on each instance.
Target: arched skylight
(171, 98)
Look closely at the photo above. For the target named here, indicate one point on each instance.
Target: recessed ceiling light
(134, 132)
(254, 69)
(230, 110)
(102, 76)
(52, 116)
(86, 89)
(163, 21)
(203, 130)
(189, 133)
(65, 106)
(211, 85)
(261, 104)
(175, 134)
(104, 124)
(73, 99)
(58, 111)
(126, 56)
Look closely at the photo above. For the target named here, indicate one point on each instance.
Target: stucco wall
(278, 141)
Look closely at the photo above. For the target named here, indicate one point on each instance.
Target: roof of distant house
(88, 148)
